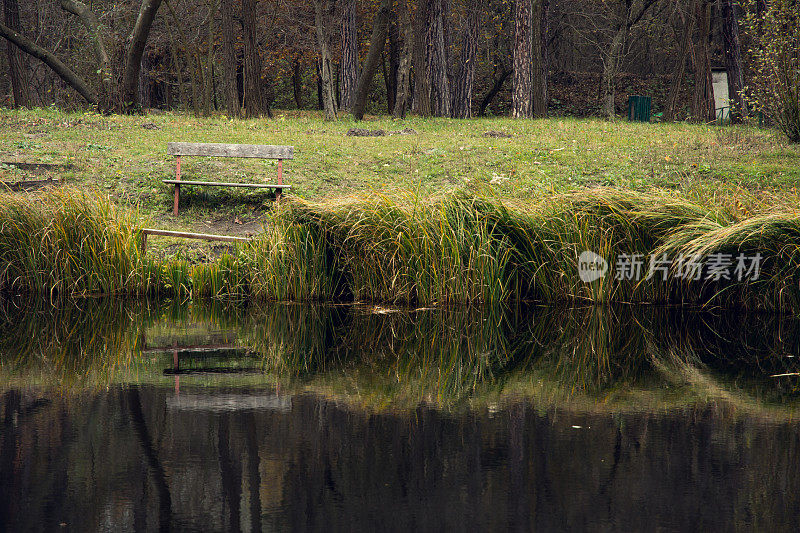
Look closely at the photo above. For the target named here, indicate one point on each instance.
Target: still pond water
(140, 416)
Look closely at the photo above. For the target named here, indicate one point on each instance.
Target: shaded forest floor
(126, 158)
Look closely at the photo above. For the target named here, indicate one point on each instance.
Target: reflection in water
(210, 417)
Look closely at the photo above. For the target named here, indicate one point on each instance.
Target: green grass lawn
(125, 156)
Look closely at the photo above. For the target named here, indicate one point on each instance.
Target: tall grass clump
(67, 242)
(292, 260)
(403, 249)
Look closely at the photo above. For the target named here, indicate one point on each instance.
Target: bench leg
(177, 187)
(177, 197)
(280, 180)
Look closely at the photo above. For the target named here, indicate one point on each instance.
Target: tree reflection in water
(365, 418)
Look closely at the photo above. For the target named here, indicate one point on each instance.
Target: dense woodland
(450, 58)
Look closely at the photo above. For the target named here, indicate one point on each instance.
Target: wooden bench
(261, 151)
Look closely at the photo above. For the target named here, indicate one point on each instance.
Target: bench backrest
(262, 151)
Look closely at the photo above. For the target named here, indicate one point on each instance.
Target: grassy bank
(125, 158)
(460, 247)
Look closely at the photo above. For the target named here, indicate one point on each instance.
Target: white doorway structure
(722, 103)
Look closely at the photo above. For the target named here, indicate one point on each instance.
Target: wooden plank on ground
(223, 184)
(263, 151)
(186, 235)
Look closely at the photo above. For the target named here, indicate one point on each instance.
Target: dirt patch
(29, 185)
(497, 134)
(361, 132)
(37, 166)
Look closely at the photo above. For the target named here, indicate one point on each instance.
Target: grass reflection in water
(587, 358)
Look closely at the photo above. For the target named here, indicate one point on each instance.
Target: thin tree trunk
(733, 61)
(539, 82)
(192, 61)
(208, 89)
(422, 85)
(462, 93)
(349, 66)
(437, 61)
(177, 72)
(133, 58)
(611, 62)
(496, 86)
(145, 94)
(376, 45)
(703, 100)
(321, 9)
(680, 67)
(92, 25)
(393, 63)
(613, 56)
(253, 97)
(387, 83)
(320, 102)
(297, 83)
(17, 69)
(46, 57)
(404, 68)
(521, 98)
(229, 60)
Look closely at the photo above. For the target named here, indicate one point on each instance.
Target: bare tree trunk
(253, 97)
(208, 89)
(540, 24)
(349, 67)
(462, 95)
(376, 45)
(92, 25)
(404, 69)
(133, 58)
(521, 99)
(422, 85)
(320, 103)
(17, 69)
(680, 67)
(177, 72)
(192, 61)
(703, 99)
(496, 86)
(611, 63)
(613, 55)
(321, 9)
(229, 60)
(297, 83)
(437, 61)
(46, 57)
(393, 57)
(145, 94)
(733, 61)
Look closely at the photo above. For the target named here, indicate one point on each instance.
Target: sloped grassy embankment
(457, 248)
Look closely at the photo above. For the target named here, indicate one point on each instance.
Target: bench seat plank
(263, 151)
(222, 184)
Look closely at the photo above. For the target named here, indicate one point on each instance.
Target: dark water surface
(139, 416)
